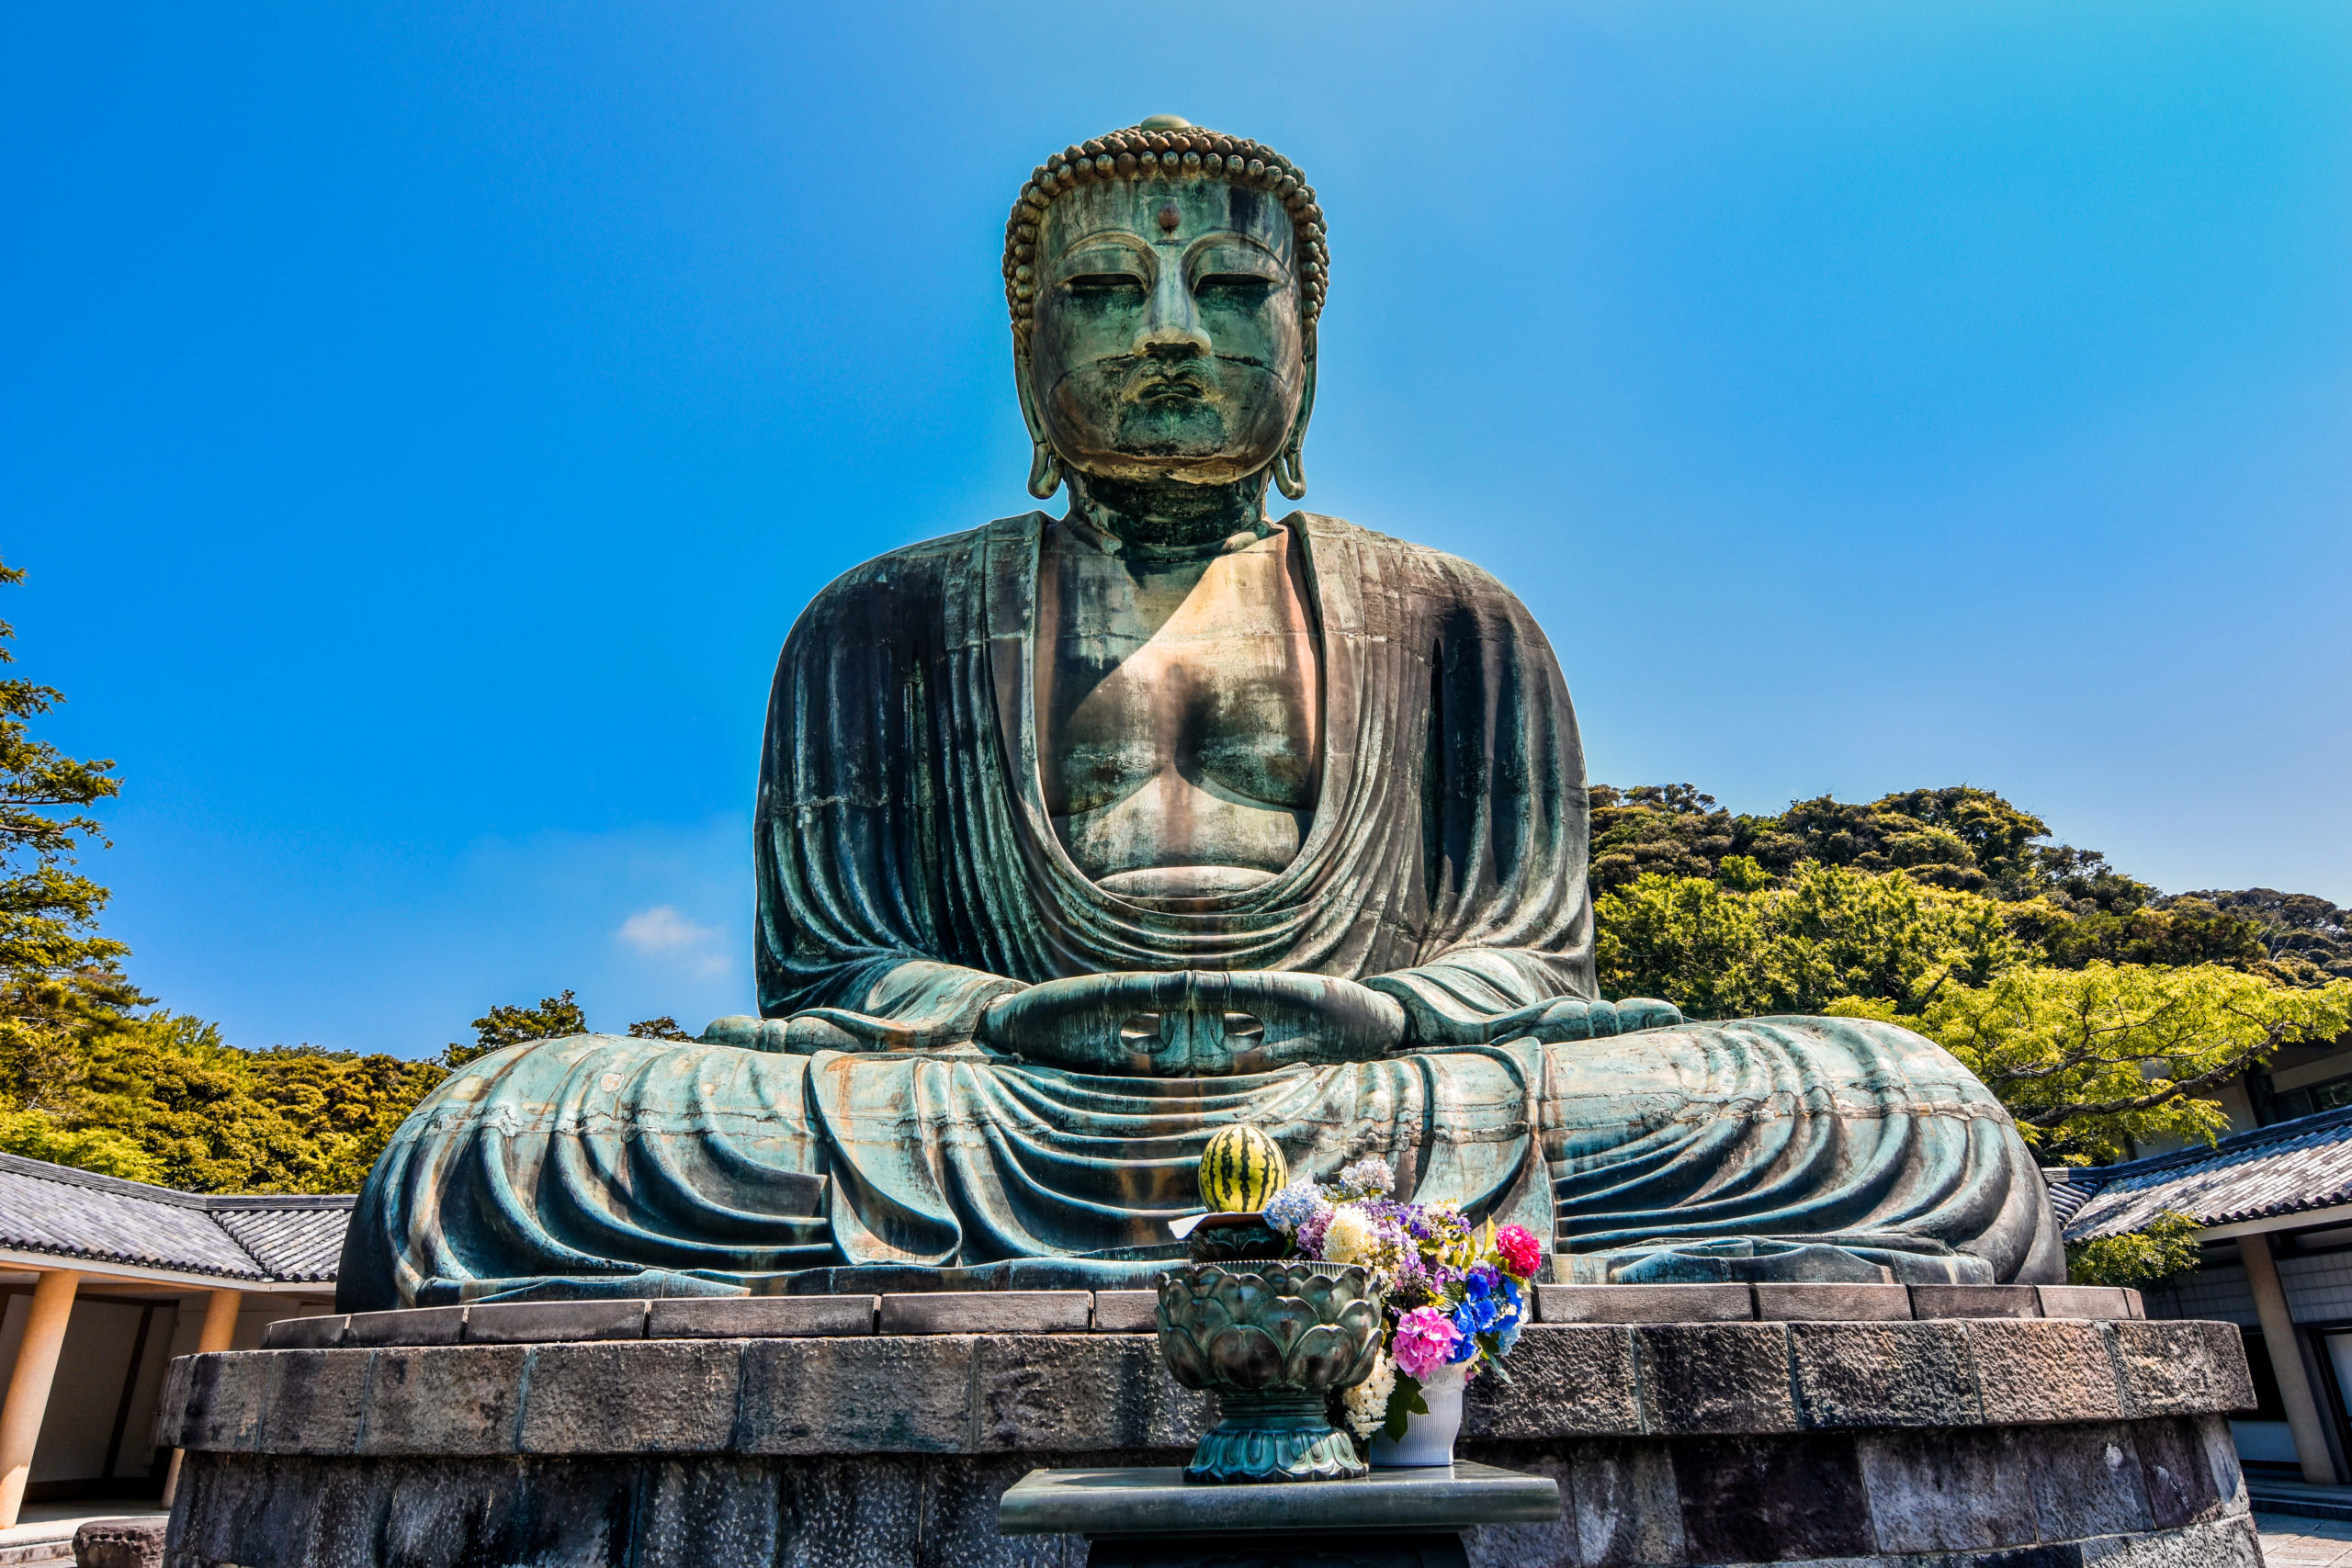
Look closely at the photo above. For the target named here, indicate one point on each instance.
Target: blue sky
(422, 424)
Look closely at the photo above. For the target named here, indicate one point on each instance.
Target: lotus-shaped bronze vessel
(1271, 1341)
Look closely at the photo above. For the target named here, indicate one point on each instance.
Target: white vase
(1428, 1439)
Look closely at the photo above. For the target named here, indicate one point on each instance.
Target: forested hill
(2070, 903)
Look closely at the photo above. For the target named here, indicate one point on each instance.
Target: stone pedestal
(1390, 1518)
(1924, 1428)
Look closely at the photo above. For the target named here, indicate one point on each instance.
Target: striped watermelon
(1241, 1170)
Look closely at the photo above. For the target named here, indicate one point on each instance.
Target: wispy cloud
(663, 932)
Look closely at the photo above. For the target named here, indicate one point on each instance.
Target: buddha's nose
(1172, 327)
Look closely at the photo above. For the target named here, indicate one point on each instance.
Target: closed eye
(1234, 287)
(1105, 286)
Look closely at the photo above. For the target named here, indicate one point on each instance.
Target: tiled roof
(271, 1238)
(2289, 1168)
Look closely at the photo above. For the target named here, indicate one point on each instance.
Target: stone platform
(1963, 1426)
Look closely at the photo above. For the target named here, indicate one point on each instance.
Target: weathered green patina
(1079, 839)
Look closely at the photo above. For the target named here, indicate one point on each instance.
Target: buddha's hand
(1194, 1023)
(1573, 1017)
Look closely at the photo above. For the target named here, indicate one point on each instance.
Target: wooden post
(2287, 1360)
(28, 1385)
(220, 1332)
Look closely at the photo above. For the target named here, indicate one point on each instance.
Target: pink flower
(1425, 1337)
(1521, 1254)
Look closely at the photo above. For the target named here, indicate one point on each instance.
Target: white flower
(1349, 1237)
(1367, 1402)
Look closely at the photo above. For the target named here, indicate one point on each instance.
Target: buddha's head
(1165, 282)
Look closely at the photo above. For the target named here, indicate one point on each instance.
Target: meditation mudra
(1081, 838)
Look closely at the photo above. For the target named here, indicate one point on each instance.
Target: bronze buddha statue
(1080, 838)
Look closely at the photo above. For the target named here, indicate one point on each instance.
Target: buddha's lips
(1171, 389)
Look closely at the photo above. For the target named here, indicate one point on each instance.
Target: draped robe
(908, 872)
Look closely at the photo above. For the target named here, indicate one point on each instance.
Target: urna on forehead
(1164, 210)
(1165, 148)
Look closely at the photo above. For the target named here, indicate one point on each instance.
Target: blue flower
(1465, 1318)
(1293, 1206)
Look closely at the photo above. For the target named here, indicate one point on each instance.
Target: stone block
(988, 1312)
(758, 1317)
(1715, 1378)
(2226, 1544)
(2086, 1301)
(1126, 1312)
(707, 1514)
(2175, 1368)
(1644, 1303)
(670, 1396)
(1622, 1498)
(315, 1401)
(2178, 1474)
(2031, 1372)
(1041, 1390)
(582, 1513)
(120, 1543)
(848, 1513)
(2085, 1481)
(1748, 1501)
(1564, 1379)
(1949, 1491)
(305, 1333)
(348, 1521)
(228, 1512)
(543, 1323)
(172, 1401)
(1516, 1546)
(909, 1394)
(227, 1393)
(959, 1521)
(444, 1400)
(413, 1325)
(1882, 1374)
(1833, 1304)
(1974, 1300)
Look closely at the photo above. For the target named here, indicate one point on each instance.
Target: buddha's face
(1166, 339)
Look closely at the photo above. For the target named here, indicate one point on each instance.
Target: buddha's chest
(1179, 707)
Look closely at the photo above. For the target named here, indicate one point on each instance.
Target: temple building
(105, 1281)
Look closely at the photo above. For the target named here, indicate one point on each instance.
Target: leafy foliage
(2092, 1061)
(2166, 1246)
(2098, 1008)
(506, 1025)
(1831, 932)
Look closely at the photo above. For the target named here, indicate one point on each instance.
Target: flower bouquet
(1456, 1299)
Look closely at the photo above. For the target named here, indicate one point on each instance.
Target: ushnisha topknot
(1168, 147)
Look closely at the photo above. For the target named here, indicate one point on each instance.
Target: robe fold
(908, 872)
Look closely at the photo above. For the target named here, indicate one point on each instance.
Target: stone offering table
(1391, 1518)
(1950, 1427)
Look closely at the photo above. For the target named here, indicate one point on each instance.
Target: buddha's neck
(1166, 517)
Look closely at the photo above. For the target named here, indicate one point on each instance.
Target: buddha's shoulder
(922, 572)
(1417, 570)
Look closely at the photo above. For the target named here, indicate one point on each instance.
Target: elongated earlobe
(1290, 468)
(1045, 473)
(1290, 471)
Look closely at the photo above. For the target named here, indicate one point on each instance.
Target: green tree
(504, 1025)
(2091, 1061)
(61, 981)
(1829, 933)
(662, 1028)
(2166, 1246)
